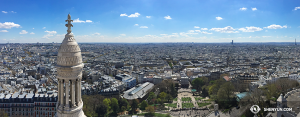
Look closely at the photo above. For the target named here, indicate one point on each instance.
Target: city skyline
(151, 21)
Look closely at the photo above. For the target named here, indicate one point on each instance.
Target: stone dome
(69, 53)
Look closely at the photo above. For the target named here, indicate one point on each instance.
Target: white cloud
(123, 14)
(32, 28)
(9, 25)
(167, 17)
(123, 34)
(78, 21)
(164, 34)
(143, 27)
(134, 15)
(4, 12)
(274, 26)
(227, 29)
(243, 9)
(204, 32)
(23, 32)
(191, 31)
(3, 31)
(148, 16)
(96, 33)
(219, 18)
(266, 31)
(250, 29)
(254, 9)
(196, 27)
(204, 29)
(88, 21)
(32, 33)
(44, 27)
(50, 34)
(266, 36)
(197, 31)
(136, 24)
(13, 12)
(296, 8)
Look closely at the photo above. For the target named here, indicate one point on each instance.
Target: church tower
(69, 73)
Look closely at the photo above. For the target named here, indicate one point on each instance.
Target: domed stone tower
(69, 73)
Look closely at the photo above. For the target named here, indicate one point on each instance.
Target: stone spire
(69, 73)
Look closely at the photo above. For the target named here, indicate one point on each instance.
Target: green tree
(271, 91)
(162, 95)
(144, 104)
(150, 110)
(123, 102)
(107, 103)
(169, 98)
(173, 90)
(204, 92)
(134, 105)
(213, 89)
(225, 91)
(151, 96)
(101, 110)
(204, 79)
(123, 108)
(197, 84)
(114, 106)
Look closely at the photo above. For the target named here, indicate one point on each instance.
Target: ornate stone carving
(68, 74)
(69, 48)
(69, 60)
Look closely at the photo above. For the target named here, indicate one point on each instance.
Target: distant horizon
(155, 42)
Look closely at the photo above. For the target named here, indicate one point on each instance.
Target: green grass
(199, 98)
(155, 114)
(186, 99)
(173, 105)
(203, 104)
(175, 99)
(187, 105)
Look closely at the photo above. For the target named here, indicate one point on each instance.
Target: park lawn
(187, 105)
(199, 98)
(186, 99)
(155, 114)
(173, 105)
(203, 104)
(175, 99)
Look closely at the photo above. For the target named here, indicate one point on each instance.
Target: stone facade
(69, 74)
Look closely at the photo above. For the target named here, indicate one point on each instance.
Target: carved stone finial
(69, 25)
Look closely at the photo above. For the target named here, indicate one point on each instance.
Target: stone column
(73, 93)
(79, 85)
(61, 91)
(77, 92)
(67, 106)
(59, 88)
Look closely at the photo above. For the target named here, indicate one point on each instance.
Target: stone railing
(291, 92)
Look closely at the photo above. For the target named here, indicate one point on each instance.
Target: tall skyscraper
(69, 74)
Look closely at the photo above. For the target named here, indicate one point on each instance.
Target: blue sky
(23, 21)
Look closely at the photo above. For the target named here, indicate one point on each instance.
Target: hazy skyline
(151, 21)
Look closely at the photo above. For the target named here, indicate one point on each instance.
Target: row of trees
(218, 90)
(97, 105)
